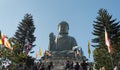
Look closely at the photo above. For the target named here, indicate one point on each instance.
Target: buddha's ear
(58, 27)
(67, 28)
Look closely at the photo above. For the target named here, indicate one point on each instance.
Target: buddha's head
(63, 27)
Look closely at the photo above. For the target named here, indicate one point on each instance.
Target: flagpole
(89, 51)
(112, 60)
(109, 47)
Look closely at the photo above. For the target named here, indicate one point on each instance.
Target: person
(67, 66)
(115, 68)
(50, 66)
(84, 65)
(77, 66)
(38, 65)
(71, 65)
(103, 68)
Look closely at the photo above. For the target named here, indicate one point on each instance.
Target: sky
(47, 14)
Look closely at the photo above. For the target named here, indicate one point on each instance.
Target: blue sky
(80, 15)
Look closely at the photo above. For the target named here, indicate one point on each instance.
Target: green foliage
(101, 55)
(18, 56)
(25, 32)
(102, 59)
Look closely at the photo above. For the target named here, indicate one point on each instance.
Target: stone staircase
(58, 67)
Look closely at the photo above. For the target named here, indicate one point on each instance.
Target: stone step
(58, 67)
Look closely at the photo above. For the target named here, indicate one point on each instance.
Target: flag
(75, 54)
(78, 52)
(107, 42)
(26, 51)
(0, 34)
(81, 51)
(36, 55)
(40, 51)
(5, 42)
(89, 51)
(0, 41)
(27, 46)
(2, 38)
(47, 53)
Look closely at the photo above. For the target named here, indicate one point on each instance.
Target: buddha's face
(63, 29)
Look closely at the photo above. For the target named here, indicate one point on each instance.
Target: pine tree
(101, 55)
(24, 35)
(25, 32)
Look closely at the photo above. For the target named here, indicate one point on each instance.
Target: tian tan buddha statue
(62, 44)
